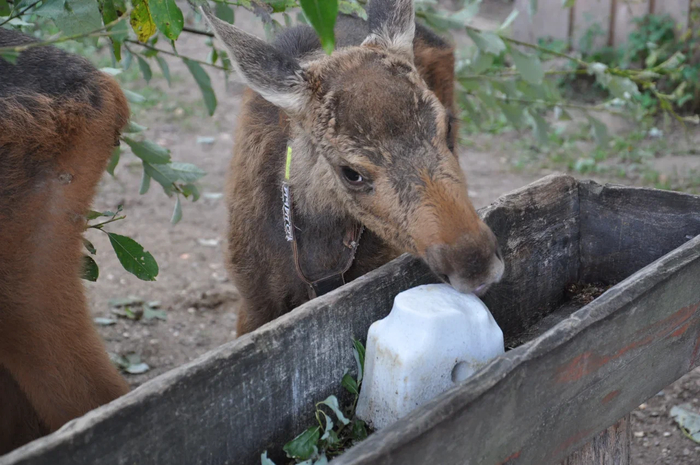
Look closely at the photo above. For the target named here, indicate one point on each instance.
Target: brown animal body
(59, 122)
(372, 137)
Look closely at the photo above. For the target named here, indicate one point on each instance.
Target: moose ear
(278, 78)
(392, 24)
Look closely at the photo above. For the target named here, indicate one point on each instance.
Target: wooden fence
(613, 19)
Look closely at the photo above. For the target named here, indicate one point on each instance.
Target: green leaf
(145, 183)
(359, 430)
(322, 15)
(204, 84)
(673, 62)
(4, 8)
(482, 62)
(133, 97)
(600, 131)
(148, 151)
(509, 20)
(133, 127)
(152, 314)
(349, 383)
(104, 321)
(10, 56)
(114, 161)
(190, 189)
(332, 402)
(540, 128)
(141, 20)
(568, 3)
(88, 245)
(350, 8)
(133, 257)
(168, 17)
(72, 17)
(162, 174)
(186, 172)
(512, 112)
(487, 42)
(303, 446)
(329, 427)
(224, 12)
(452, 21)
(177, 212)
(164, 68)
(264, 460)
(622, 87)
(359, 354)
(145, 69)
(528, 66)
(111, 11)
(90, 271)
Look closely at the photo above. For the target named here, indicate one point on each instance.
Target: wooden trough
(568, 377)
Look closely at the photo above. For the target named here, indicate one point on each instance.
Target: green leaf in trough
(322, 15)
(688, 420)
(90, 270)
(359, 430)
(148, 151)
(488, 42)
(145, 69)
(349, 383)
(528, 66)
(329, 427)
(168, 17)
(600, 131)
(224, 12)
(204, 84)
(4, 8)
(303, 446)
(332, 402)
(145, 183)
(359, 354)
(141, 20)
(164, 68)
(90, 248)
(177, 212)
(133, 258)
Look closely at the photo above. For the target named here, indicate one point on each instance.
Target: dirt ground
(193, 288)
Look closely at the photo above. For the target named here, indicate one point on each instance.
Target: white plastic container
(434, 338)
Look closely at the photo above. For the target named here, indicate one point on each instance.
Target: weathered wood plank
(611, 447)
(587, 15)
(624, 229)
(625, 13)
(542, 401)
(551, 20)
(678, 9)
(257, 392)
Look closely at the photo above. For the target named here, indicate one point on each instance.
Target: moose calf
(344, 161)
(59, 122)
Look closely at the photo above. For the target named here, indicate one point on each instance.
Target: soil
(193, 288)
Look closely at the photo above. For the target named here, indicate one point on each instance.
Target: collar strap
(351, 240)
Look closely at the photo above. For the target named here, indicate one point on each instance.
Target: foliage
(502, 82)
(330, 437)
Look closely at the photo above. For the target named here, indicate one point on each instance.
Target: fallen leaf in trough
(688, 420)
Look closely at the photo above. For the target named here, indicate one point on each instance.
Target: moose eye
(352, 176)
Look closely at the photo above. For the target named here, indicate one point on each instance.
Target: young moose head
(370, 143)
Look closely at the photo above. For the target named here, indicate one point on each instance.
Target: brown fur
(386, 113)
(53, 152)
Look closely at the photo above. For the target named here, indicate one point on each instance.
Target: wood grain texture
(537, 404)
(611, 447)
(626, 12)
(591, 14)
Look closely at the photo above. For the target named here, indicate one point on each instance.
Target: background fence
(612, 19)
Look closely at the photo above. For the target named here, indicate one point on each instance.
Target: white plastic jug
(434, 338)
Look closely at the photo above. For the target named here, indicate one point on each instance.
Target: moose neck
(320, 224)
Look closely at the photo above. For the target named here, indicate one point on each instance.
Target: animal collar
(336, 278)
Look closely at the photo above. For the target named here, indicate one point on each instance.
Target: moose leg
(19, 422)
